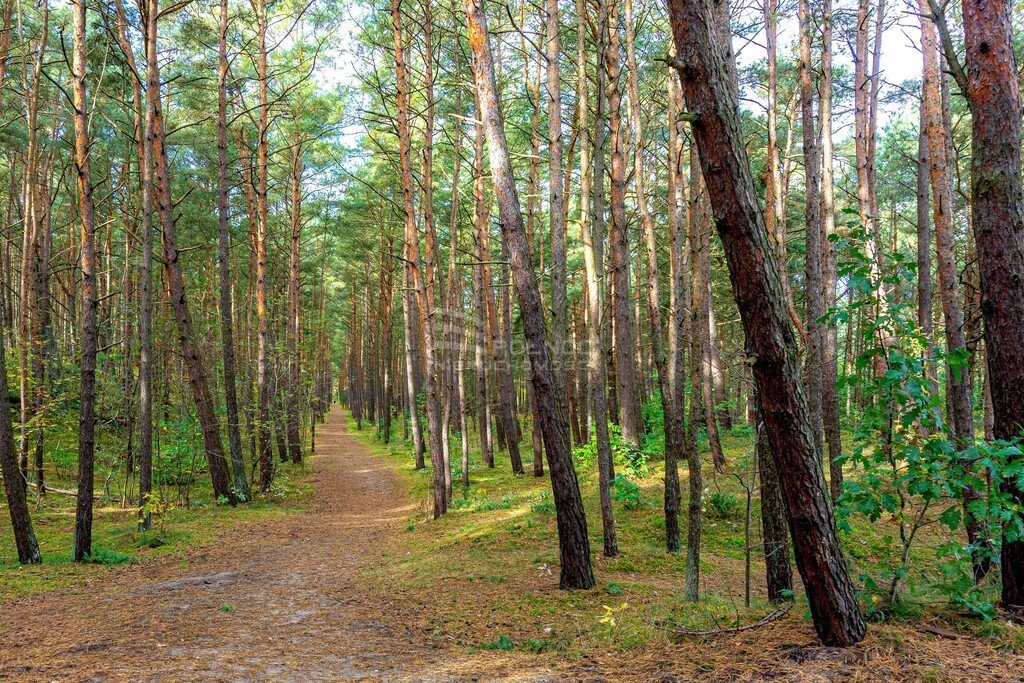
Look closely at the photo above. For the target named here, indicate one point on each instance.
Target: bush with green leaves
(724, 505)
(634, 461)
(626, 491)
(906, 470)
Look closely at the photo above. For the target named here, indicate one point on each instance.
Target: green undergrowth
(185, 513)
(495, 556)
(492, 561)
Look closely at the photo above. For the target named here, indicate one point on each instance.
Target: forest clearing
(567, 340)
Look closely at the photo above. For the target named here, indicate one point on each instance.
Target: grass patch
(179, 523)
(491, 565)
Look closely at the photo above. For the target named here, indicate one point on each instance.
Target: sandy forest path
(303, 610)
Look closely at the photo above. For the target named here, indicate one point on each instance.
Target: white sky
(900, 62)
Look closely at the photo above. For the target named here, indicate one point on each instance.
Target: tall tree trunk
(626, 373)
(481, 281)
(556, 205)
(702, 309)
(412, 261)
(958, 381)
(574, 546)
(829, 342)
(197, 376)
(33, 301)
(672, 410)
(590, 231)
(263, 369)
(430, 257)
(238, 479)
(146, 317)
(814, 240)
(993, 92)
(537, 249)
(710, 91)
(87, 411)
(865, 106)
(678, 334)
(294, 304)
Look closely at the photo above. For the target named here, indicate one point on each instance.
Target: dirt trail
(302, 609)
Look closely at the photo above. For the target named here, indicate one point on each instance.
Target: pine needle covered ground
(485, 578)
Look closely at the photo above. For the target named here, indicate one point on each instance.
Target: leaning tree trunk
(14, 483)
(709, 89)
(197, 376)
(574, 546)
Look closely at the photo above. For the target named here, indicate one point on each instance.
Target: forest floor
(284, 599)
(360, 586)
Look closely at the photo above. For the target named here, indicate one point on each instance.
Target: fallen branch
(936, 631)
(63, 492)
(767, 619)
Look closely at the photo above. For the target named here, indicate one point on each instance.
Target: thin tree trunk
(626, 372)
(216, 459)
(294, 304)
(263, 369)
(574, 546)
(830, 345)
(672, 410)
(481, 218)
(556, 206)
(678, 335)
(958, 381)
(238, 479)
(412, 260)
(814, 241)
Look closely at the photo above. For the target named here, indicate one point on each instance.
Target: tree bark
(626, 372)
(263, 369)
(830, 346)
(89, 331)
(197, 376)
(993, 92)
(959, 402)
(238, 479)
(574, 546)
(709, 89)
(412, 264)
(590, 232)
(814, 241)
(292, 416)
